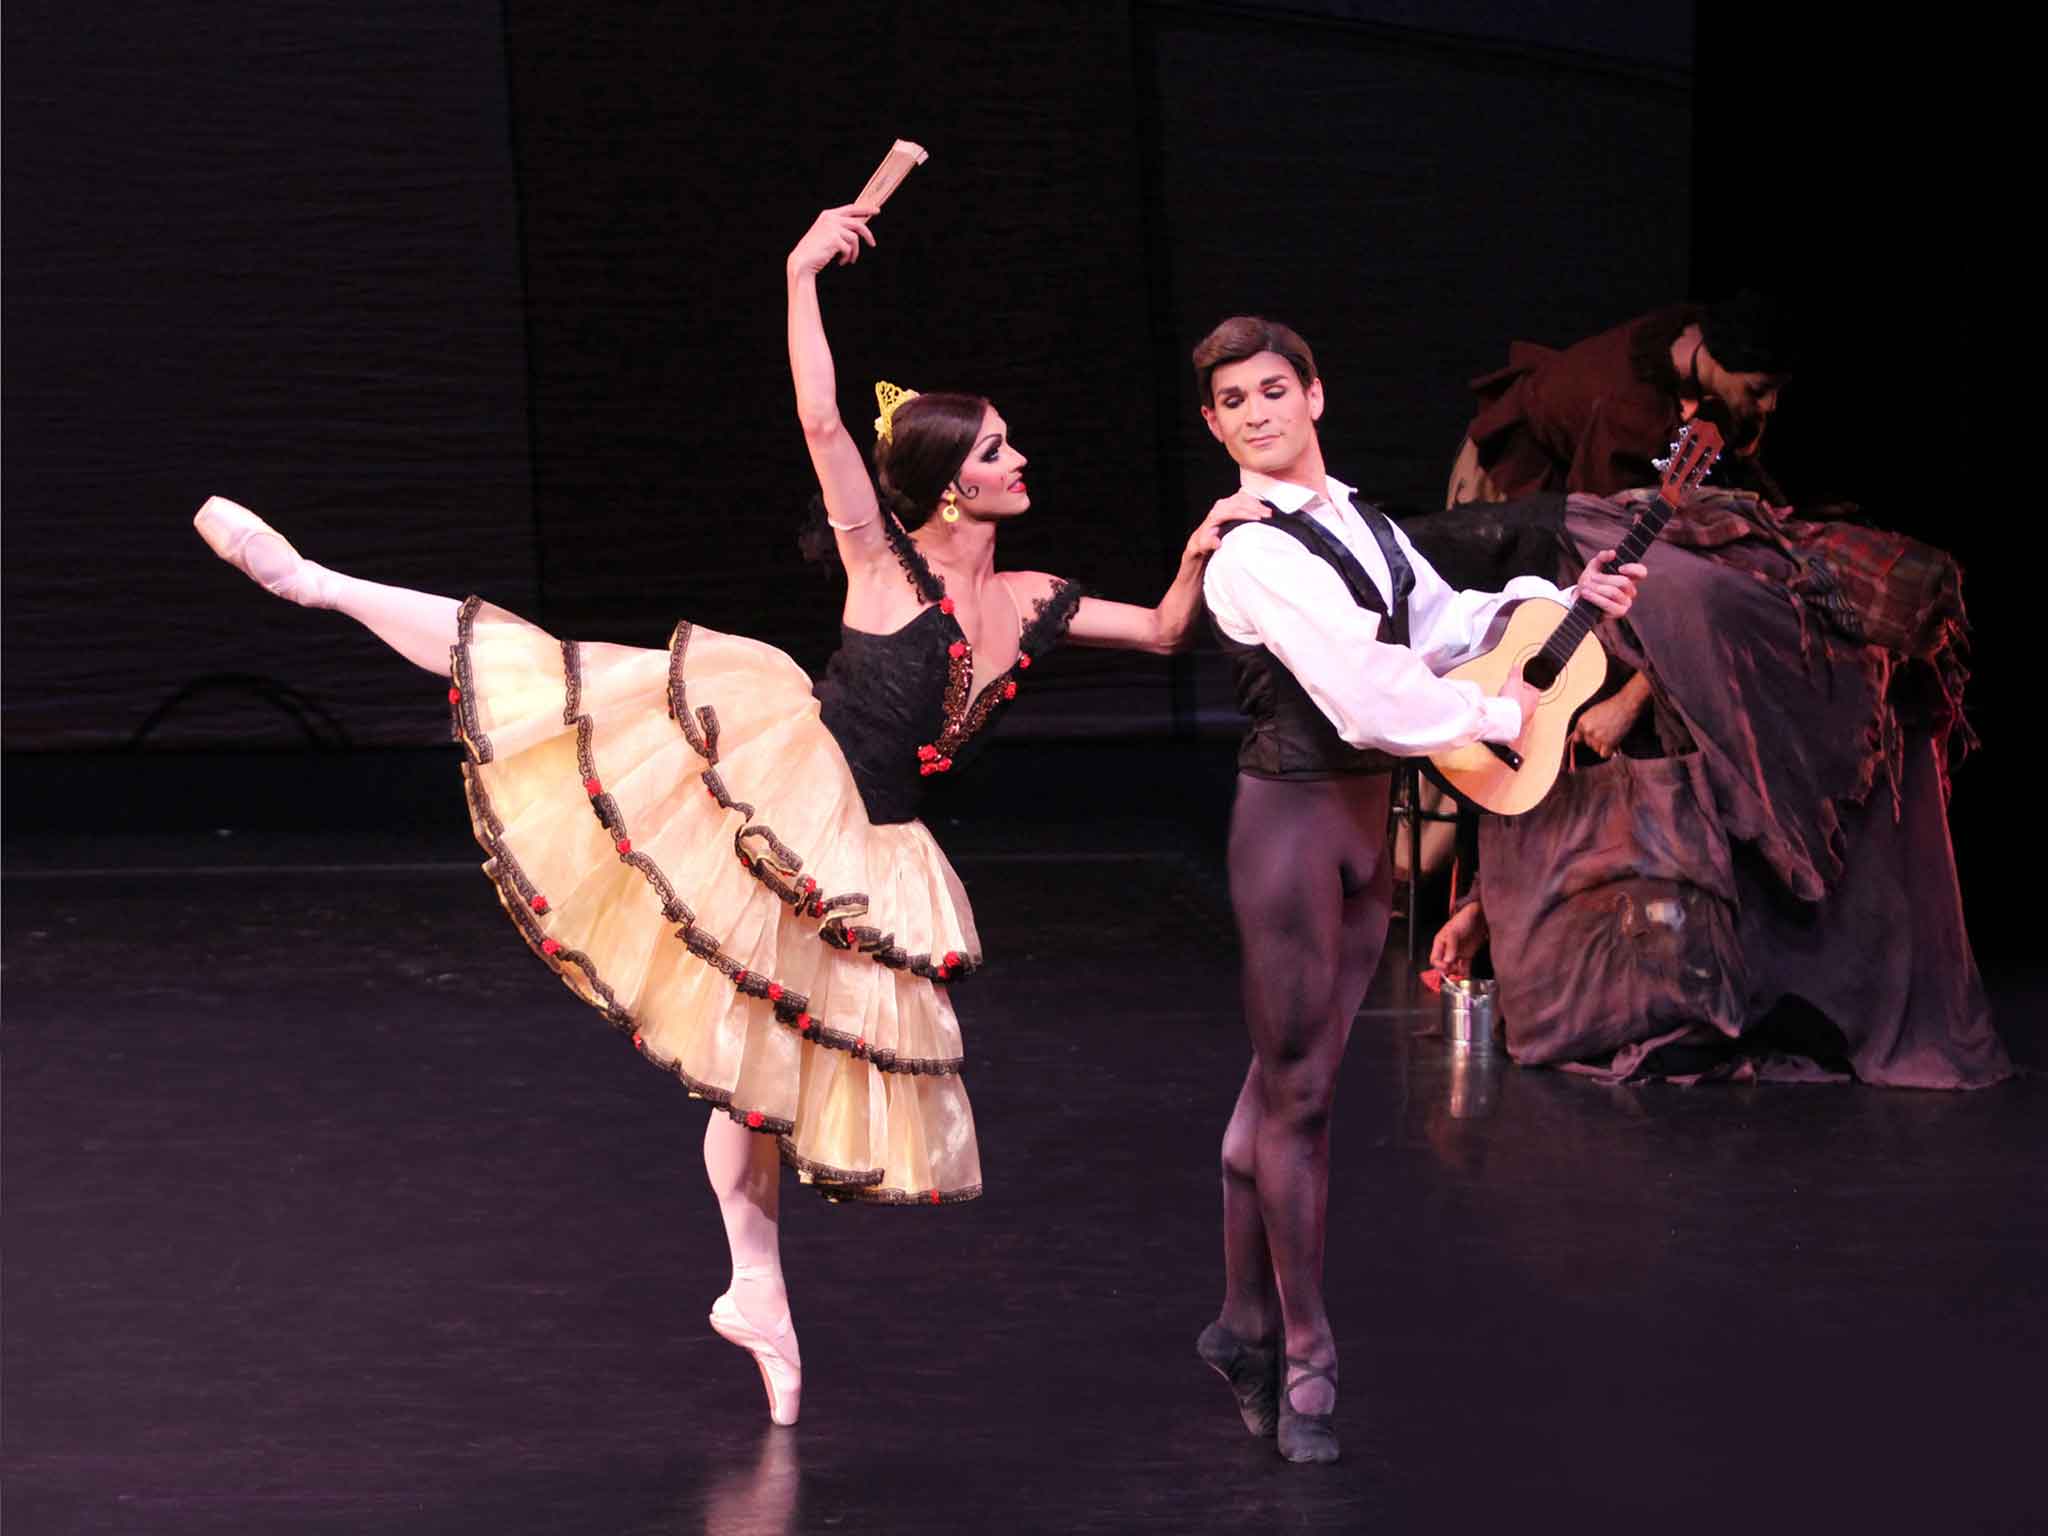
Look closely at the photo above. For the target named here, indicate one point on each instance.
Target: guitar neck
(1642, 533)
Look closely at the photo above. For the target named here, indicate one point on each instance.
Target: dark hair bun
(929, 439)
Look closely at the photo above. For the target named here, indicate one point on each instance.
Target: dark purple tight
(1310, 884)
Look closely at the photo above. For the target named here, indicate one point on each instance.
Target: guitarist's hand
(1612, 592)
(1602, 727)
(1525, 696)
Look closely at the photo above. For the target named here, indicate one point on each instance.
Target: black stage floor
(328, 1209)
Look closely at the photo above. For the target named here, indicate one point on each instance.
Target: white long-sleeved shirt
(1264, 588)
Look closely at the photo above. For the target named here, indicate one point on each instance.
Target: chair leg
(1412, 787)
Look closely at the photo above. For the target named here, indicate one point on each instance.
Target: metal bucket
(1469, 1012)
(1469, 1009)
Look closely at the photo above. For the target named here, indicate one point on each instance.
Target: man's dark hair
(1243, 336)
(1749, 334)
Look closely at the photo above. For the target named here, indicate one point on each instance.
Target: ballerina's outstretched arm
(850, 506)
(420, 626)
(1170, 625)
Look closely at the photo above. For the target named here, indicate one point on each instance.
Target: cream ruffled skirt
(678, 837)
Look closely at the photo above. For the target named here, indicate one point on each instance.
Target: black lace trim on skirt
(526, 903)
(777, 866)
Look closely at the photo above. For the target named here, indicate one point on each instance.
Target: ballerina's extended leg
(420, 626)
(745, 1169)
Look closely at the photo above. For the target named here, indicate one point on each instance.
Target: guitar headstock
(1697, 447)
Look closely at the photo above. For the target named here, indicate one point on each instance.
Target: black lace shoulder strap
(1050, 616)
(922, 576)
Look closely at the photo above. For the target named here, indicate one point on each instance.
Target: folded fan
(902, 158)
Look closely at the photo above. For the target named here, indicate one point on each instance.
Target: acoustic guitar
(1553, 649)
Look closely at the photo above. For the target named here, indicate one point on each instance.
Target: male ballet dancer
(1338, 629)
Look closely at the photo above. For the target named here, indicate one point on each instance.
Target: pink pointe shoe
(230, 529)
(781, 1373)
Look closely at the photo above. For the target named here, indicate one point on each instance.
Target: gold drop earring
(949, 509)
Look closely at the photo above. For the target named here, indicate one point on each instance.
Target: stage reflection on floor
(327, 1209)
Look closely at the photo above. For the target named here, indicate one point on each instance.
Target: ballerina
(724, 858)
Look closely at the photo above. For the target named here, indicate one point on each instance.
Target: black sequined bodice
(882, 697)
(899, 704)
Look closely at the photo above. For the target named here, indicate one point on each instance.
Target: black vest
(1288, 736)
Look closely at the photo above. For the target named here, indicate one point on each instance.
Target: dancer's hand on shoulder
(836, 235)
(1243, 507)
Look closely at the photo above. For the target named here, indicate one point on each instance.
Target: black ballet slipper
(1307, 1436)
(1253, 1371)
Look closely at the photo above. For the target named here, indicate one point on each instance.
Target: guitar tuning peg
(1660, 465)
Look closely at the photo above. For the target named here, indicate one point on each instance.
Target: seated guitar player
(1750, 874)
(1594, 417)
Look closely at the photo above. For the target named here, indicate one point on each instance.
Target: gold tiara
(888, 397)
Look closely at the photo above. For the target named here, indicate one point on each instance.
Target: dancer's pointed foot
(260, 552)
(774, 1351)
(1308, 1436)
(1253, 1371)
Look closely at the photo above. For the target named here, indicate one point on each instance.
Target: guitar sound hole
(1539, 672)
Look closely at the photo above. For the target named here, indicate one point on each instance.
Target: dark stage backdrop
(269, 251)
(1870, 222)
(474, 296)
